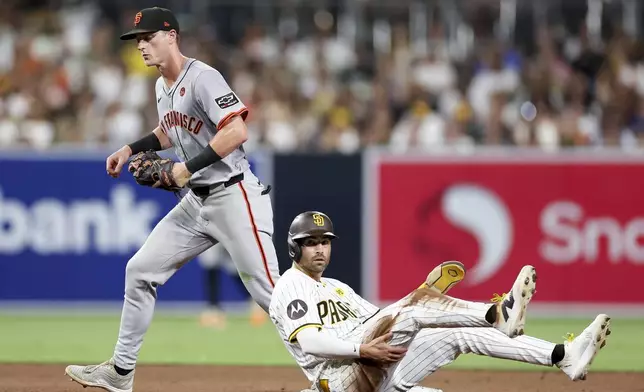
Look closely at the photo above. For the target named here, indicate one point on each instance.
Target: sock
(558, 353)
(490, 316)
(122, 372)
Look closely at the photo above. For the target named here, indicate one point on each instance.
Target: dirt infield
(51, 378)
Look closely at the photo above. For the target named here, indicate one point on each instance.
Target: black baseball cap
(150, 20)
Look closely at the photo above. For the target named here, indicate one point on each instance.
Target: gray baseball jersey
(237, 214)
(192, 111)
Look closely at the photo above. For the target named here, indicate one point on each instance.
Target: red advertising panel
(581, 224)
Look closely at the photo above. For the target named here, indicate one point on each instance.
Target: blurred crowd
(65, 77)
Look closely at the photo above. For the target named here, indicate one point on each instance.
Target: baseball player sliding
(343, 343)
(203, 120)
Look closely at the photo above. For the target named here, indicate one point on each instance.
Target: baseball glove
(149, 169)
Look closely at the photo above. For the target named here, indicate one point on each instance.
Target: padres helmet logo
(137, 18)
(318, 220)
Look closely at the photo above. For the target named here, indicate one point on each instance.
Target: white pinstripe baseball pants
(435, 332)
(432, 349)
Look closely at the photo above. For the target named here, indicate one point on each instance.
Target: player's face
(316, 252)
(154, 47)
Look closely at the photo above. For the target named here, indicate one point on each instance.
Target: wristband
(146, 143)
(206, 157)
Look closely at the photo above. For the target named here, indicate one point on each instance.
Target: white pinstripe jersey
(299, 302)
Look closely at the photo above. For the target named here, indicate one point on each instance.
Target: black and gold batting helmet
(307, 224)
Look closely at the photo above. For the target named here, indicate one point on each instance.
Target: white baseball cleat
(445, 276)
(581, 350)
(511, 307)
(101, 376)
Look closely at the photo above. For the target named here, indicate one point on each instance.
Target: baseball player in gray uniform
(203, 120)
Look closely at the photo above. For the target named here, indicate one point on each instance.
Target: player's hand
(181, 174)
(379, 350)
(115, 162)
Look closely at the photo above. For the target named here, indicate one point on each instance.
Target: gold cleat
(445, 276)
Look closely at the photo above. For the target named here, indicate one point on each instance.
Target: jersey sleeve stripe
(243, 112)
(293, 335)
(256, 233)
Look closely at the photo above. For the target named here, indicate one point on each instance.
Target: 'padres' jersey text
(192, 110)
(334, 312)
(299, 302)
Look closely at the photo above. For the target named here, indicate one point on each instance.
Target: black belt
(204, 191)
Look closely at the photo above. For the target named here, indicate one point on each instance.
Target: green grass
(180, 340)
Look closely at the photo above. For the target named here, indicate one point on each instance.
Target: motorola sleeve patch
(296, 309)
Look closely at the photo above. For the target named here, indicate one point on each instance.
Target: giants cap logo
(137, 18)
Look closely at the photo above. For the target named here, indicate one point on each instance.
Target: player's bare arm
(156, 141)
(226, 140)
(163, 138)
(230, 137)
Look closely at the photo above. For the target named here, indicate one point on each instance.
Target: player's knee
(136, 276)
(135, 267)
(407, 315)
(460, 343)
